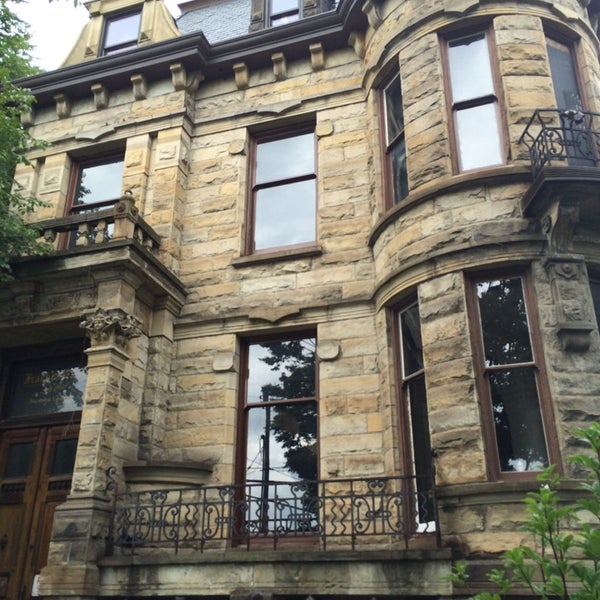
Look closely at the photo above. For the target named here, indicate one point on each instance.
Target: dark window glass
(474, 102)
(48, 386)
(510, 372)
(18, 460)
(281, 433)
(564, 76)
(595, 287)
(414, 397)
(395, 142)
(63, 460)
(121, 33)
(284, 192)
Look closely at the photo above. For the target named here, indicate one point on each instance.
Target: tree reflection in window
(281, 438)
(48, 386)
(510, 371)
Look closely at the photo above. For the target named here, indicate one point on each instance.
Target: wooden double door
(36, 467)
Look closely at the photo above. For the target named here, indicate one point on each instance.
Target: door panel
(36, 466)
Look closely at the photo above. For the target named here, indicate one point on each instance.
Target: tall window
(395, 165)
(282, 12)
(279, 442)
(121, 32)
(474, 101)
(414, 413)
(514, 404)
(284, 195)
(564, 76)
(95, 185)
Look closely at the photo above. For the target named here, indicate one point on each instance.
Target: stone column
(81, 523)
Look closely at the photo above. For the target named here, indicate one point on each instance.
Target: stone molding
(575, 317)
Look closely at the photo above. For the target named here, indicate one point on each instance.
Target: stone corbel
(279, 66)
(63, 105)
(182, 81)
(100, 96)
(372, 14)
(357, 41)
(558, 224)
(242, 75)
(317, 57)
(111, 326)
(140, 86)
(575, 315)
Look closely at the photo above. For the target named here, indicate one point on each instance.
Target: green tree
(564, 560)
(16, 236)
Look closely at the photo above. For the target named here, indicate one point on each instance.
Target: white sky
(55, 27)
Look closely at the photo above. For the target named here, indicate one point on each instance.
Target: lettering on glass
(51, 386)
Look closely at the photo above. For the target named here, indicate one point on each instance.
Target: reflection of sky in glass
(470, 69)
(260, 419)
(285, 215)
(122, 30)
(278, 6)
(288, 157)
(478, 137)
(100, 182)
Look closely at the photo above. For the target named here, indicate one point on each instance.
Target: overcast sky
(55, 27)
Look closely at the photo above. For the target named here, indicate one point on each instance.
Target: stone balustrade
(118, 222)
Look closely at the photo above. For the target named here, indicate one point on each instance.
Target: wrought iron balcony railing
(341, 513)
(570, 137)
(118, 221)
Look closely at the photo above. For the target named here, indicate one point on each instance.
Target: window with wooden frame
(565, 75)
(473, 97)
(95, 185)
(414, 417)
(395, 170)
(40, 382)
(283, 204)
(517, 415)
(121, 32)
(282, 12)
(278, 436)
(273, 13)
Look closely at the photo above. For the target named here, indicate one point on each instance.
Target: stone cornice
(196, 55)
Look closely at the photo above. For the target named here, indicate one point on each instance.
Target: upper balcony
(564, 149)
(89, 248)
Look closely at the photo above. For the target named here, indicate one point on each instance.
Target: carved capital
(111, 326)
(571, 298)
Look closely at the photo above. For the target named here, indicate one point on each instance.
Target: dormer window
(121, 32)
(282, 12)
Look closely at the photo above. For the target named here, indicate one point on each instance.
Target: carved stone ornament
(575, 315)
(111, 326)
(558, 224)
